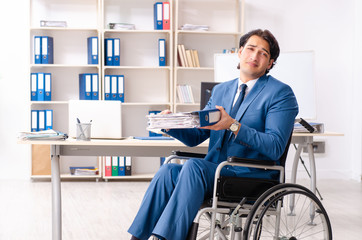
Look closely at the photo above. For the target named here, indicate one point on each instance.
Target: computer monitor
(206, 89)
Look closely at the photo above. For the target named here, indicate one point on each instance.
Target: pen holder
(83, 132)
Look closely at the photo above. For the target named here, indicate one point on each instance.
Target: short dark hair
(267, 36)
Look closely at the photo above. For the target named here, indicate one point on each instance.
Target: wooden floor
(104, 210)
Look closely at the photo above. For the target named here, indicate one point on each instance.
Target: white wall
(14, 87)
(325, 26)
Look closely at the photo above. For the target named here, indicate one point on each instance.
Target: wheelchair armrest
(251, 161)
(188, 154)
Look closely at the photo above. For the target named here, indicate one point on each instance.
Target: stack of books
(184, 119)
(184, 94)
(187, 57)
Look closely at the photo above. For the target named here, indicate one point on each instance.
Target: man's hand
(165, 112)
(224, 123)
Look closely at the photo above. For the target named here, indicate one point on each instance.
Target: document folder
(121, 166)
(108, 166)
(40, 89)
(48, 119)
(109, 51)
(114, 86)
(33, 86)
(107, 87)
(166, 15)
(47, 50)
(162, 52)
(34, 120)
(85, 86)
(41, 120)
(47, 87)
(120, 89)
(92, 50)
(116, 52)
(37, 50)
(158, 18)
(95, 88)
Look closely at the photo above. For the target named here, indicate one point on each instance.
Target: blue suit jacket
(266, 115)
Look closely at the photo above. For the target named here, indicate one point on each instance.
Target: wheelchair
(252, 208)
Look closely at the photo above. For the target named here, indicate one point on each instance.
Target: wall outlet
(318, 147)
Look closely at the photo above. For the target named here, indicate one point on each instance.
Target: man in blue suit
(257, 128)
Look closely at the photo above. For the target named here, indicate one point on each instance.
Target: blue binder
(47, 86)
(95, 87)
(108, 51)
(116, 51)
(92, 43)
(208, 117)
(121, 166)
(107, 87)
(85, 86)
(114, 87)
(40, 89)
(37, 50)
(47, 50)
(48, 119)
(162, 52)
(34, 120)
(33, 86)
(150, 133)
(158, 16)
(41, 120)
(120, 88)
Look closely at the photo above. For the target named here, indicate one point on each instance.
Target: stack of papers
(192, 27)
(318, 128)
(43, 135)
(122, 26)
(183, 120)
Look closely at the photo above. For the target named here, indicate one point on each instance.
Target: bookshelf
(223, 33)
(148, 86)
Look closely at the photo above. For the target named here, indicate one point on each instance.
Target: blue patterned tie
(240, 99)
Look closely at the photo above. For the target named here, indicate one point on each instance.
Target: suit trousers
(173, 198)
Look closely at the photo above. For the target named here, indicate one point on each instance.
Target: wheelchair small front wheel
(288, 212)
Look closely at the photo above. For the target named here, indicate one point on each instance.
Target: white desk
(142, 148)
(306, 140)
(127, 147)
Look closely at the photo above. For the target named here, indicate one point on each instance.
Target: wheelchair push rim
(296, 214)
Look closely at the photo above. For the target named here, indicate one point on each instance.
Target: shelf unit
(148, 86)
(223, 33)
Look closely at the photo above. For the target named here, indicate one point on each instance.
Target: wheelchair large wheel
(287, 212)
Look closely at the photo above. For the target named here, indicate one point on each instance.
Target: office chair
(251, 208)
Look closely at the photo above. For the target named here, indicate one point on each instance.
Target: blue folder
(95, 86)
(37, 50)
(107, 87)
(162, 52)
(33, 86)
(47, 86)
(92, 43)
(158, 16)
(40, 89)
(85, 86)
(108, 43)
(47, 50)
